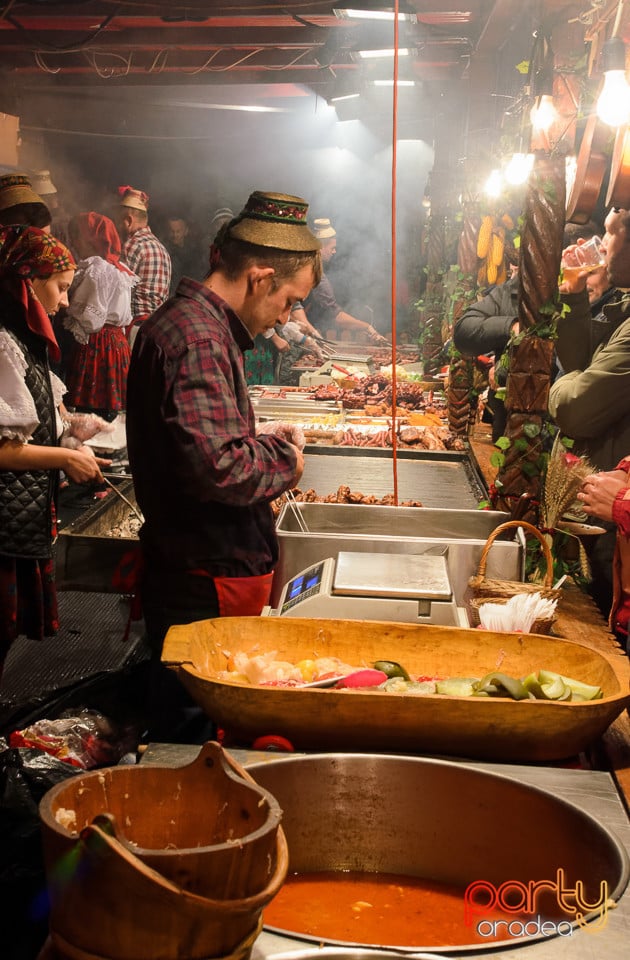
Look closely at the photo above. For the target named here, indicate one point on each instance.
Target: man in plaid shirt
(143, 253)
(204, 477)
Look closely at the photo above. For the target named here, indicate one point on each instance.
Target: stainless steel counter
(593, 791)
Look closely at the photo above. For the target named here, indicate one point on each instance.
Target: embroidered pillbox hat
(323, 229)
(136, 199)
(16, 188)
(274, 220)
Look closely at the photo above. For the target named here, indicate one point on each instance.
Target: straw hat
(42, 184)
(323, 229)
(16, 188)
(274, 220)
(136, 199)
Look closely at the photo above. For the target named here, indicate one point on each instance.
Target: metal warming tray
(295, 408)
(438, 478)
(88, 551)
(335, 527)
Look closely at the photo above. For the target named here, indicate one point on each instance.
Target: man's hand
(573, 273)
(292, 432)
(310, 344)
(599, 492)
(373, 335)
(299, 466)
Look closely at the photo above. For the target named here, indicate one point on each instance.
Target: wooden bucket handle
(528, 528)
(99, 842)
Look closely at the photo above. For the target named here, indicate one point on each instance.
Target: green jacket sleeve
(574, 345)
(589, 401)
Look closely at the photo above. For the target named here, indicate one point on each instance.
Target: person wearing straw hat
(143, 253)
(20, 204)
(321, 307)
(204, 478)
(44, 187)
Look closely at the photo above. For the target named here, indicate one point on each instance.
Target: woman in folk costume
(98, 314)
(36, 271)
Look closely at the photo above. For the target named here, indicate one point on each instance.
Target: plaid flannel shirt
(203, 479)
(149, 259)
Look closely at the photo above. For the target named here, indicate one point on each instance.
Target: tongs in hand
(327, 348)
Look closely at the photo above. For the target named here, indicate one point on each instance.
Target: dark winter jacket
(485, 326)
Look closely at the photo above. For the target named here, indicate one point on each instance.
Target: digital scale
(412, 588)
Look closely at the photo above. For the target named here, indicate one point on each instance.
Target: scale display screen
(304, 585)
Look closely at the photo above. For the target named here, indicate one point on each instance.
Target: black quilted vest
(26, 496)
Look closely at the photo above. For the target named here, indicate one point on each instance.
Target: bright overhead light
(373, 54)
(519, 168)
(248, 108)
(347, 96)
(543, 114)
(613, 103)
(494, 184)
(390, 83)
(346, 13)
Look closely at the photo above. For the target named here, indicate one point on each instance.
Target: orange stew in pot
(382, 910)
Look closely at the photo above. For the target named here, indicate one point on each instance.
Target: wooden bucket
(108, 905)
(206, 827)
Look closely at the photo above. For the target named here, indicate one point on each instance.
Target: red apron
(243, 596)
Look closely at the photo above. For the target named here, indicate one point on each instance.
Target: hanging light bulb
(613, 104)
(518, 168)
(494, 184)
(543, 114)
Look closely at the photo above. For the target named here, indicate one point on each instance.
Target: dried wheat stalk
(563, 480)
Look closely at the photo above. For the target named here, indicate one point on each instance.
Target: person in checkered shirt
(204, 473)
(143, 253)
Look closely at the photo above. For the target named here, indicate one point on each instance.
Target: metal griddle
(440, 479)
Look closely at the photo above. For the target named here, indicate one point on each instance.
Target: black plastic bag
(25, 776)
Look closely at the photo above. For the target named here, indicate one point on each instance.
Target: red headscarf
(100, 233)
(27, 253)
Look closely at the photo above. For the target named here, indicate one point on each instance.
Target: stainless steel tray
(87, 552)
(438, 478)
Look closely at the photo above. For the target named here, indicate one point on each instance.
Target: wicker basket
(538, 626)
(487, 588)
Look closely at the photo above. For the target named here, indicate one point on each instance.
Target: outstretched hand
(599, 492)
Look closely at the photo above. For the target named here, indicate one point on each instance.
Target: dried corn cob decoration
(485, 237)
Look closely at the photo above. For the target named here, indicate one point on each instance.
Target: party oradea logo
(519, 905)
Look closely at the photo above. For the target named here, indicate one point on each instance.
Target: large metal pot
(442, 821)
